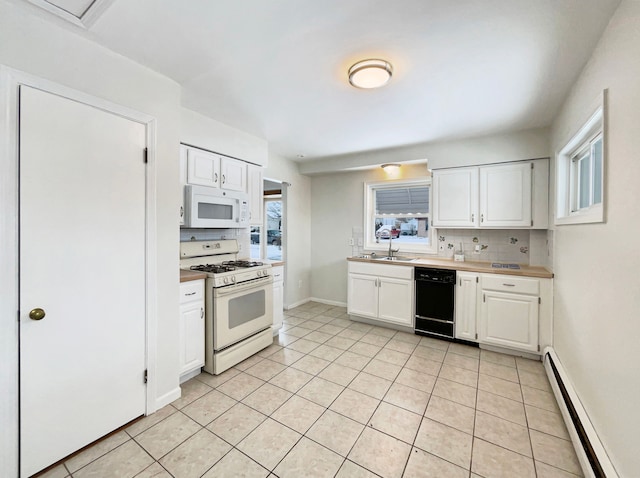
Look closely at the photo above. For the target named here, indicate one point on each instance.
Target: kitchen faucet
(391, 251)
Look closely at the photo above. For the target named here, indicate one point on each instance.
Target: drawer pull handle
(191, 293)
(509, 285)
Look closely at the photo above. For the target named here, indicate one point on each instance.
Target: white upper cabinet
(233, 174)
(215, 171)
(455, 197)
(203, 168)
(256, 192)
(505, 195)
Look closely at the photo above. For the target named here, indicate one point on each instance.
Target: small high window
(586, 175)
(580, 174)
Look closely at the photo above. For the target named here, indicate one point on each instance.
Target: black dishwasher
(435, 293)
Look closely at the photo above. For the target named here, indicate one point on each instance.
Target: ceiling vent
(82, 13)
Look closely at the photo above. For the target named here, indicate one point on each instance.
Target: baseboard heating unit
(591, 454)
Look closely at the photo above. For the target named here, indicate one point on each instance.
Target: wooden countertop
(186, 276)
(469, 266)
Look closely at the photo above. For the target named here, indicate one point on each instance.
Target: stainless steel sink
(396, 258)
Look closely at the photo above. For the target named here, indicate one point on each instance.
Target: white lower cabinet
(191, 326)
(381, 292)
(466, 306)
(509, 312)
(278, 297)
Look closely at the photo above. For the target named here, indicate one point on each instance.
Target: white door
(455, 197)
(510, 320)
(362, 295)
(395, 300)
(466, 305)
(203, 168)
(505, 195)
(82, 261)
(234, 174)
(191, 336)
(278, 297)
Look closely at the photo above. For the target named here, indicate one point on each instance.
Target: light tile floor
(337, 398)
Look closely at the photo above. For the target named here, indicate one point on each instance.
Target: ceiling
(277, 68)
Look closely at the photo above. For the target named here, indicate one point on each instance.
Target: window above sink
(398, 212)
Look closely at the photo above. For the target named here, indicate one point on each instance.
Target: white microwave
(215, 208)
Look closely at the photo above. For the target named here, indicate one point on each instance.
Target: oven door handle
(243, 286)
(435, 320)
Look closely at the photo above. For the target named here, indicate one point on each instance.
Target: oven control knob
(259, 273)
(226, 280)
(233, 279)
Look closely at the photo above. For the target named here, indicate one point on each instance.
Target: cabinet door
(234, 174)
(203, 168)
(256, 193)
(509, 320)
(466, 306)
(363, 295)
(395, 301)
(183, 182)
(278, 296)
(505, 195)
(191, 336)
(278, 305)
(455, 197)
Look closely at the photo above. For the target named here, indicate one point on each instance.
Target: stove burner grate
(213, 268)
(242, 263)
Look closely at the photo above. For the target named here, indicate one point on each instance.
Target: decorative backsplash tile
(493, 245)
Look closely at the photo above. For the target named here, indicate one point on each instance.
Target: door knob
(37, 314)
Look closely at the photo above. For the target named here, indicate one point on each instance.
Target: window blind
(401, 201)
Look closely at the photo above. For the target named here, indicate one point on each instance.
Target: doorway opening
(268, 240)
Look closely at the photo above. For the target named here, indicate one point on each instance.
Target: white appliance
(215, 208)
(238, 302)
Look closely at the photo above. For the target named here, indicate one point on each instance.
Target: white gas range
(238, 302)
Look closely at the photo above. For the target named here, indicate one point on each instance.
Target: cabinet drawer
(382, 270)
(191, 291)
(505, 283)
(277, 273)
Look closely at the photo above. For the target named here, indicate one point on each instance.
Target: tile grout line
(357, 371)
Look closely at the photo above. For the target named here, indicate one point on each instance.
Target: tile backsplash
(504, 245)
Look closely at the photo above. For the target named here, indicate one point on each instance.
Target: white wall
(337, 198)
(337, 207)
(41, 48)
(498, 148)
(203, 132)
(597, 266)
(297, 198)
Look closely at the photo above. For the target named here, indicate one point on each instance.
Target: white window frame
(369, 216)
(567, 172)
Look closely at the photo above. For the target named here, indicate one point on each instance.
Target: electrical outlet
(476, 249)
(351, 242)
(300, 284)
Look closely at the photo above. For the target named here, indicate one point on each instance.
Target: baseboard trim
(329, 302)
(297, 304)
(593, 458)
(168, 397)
(190, 375)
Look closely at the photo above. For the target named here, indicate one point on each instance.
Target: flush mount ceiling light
(370, 73)
(391, 168)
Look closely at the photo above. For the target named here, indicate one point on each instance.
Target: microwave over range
(215, 208)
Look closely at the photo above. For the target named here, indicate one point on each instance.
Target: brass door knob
(37, 314)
